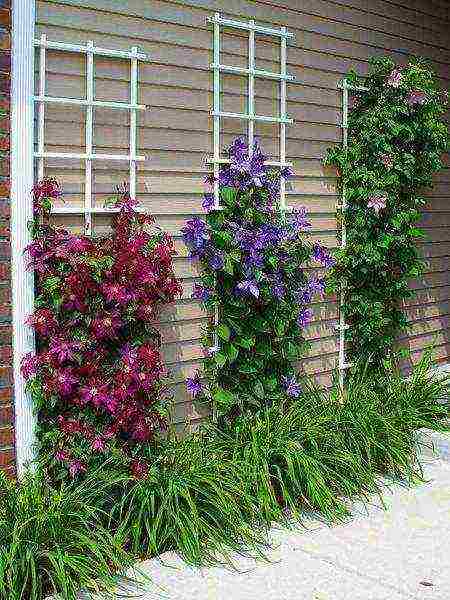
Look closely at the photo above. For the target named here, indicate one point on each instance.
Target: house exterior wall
(6, 387)
(176, 132)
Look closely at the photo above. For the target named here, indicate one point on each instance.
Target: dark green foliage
(396, 136)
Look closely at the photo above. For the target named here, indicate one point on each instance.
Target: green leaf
(223, 331)
(224, 397)
(220, 359)
(228, 195)
(245, 342)
(259, 390)
(231, 351)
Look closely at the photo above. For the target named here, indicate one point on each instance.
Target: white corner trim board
(22, 124)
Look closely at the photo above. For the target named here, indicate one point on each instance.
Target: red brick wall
(6, 389)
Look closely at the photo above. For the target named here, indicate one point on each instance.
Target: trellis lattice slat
(251, 72)
(342, 207)
(90, 103)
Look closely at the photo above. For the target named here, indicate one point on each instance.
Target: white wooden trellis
(343, 326)
(251, 72)
(89, 156)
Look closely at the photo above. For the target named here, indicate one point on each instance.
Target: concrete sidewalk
(403, 552)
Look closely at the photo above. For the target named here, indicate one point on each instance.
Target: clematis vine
(252, 259)
(97, 377)
(397, 135)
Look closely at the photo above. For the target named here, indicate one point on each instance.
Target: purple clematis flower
(210, 179)
(300, 221)
(287, 172)
(291, 386)
(211, 351)
(248, 288)
(194, 385)
(279, 291)
(216, 261)
(201, 293)
(303, 296)
(195, 236)
(304, 317)
(316, 286)
(416, 97)
(208, 202)
(253, 260)
(322, 256)
(387, 160)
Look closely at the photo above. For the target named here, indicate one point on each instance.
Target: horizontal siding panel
(315, 32)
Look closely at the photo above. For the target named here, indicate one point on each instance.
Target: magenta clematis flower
(30, 365)
(106, 326)
(65, 382)
(63, 350)
(145, 380)
(43, 321)
(78, 244)
(139, 469)
(96, 393)
(395, 78)
(194, 385)
(46, 189)
(76, 467)
(98, 444)
(62, 456)
(377, 203)
(115, 292)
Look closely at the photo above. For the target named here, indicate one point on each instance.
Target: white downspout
(22, 177)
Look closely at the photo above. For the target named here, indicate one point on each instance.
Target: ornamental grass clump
(193, 501)
(97, 378)
(396, 137)
(316, 453)
(54, 542)
(253, 258)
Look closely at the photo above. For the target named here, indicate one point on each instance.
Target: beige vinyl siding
(176, 132)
